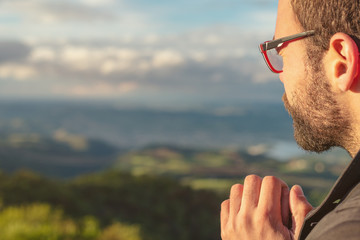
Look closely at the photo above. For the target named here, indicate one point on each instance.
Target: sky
(155, 52)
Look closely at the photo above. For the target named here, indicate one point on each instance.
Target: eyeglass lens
(275, 59)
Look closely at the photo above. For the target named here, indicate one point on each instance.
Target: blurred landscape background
(131, 120)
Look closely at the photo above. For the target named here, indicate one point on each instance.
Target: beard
(319, 122)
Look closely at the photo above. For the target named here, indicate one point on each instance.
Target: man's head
(320, 72)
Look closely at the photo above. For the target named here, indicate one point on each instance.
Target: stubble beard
(319, 122)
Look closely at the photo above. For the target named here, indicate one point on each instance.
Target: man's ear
(342, 62)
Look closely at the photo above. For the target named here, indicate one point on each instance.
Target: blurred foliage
(41, 221)
(162, 207)
(119, 231)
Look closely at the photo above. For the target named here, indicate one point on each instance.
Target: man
(316, 53)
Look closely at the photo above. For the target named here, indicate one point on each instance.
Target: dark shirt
(338, 217)
(341, 223)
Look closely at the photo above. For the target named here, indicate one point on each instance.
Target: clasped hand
(263, 209)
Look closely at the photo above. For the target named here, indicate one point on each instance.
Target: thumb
(299, 207)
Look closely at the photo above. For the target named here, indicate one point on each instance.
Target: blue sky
(174, 52)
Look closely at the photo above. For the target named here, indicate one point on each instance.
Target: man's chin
(311, 145)
(304, 134)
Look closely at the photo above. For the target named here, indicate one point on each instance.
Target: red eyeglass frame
(268, 45)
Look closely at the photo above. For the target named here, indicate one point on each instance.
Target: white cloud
(113, 66)
(199, 56)
(151, 39)
(97, 3)
(212, 39)
(109, 66)
(167, 58)
(78, 58)
(102, 59)
(75, 54)
(126, 54)
(42, 53)
(17, 71)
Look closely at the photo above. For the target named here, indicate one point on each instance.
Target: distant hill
(68, 156)
(217, 127)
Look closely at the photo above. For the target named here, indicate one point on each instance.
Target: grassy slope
(218, 170)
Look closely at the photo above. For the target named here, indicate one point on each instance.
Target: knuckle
(224, 203)
(228, 231)
(252, 179)
(271, 180)
(245, 217)
(259, 220)
(262, 218)
(264, 214)
(235, 187)
(245, 222)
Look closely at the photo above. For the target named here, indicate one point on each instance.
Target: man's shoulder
(343, 222)
(351, 202)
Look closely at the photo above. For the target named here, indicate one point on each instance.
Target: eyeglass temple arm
(275, 43)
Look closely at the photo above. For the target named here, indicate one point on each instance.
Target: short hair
(328, 17)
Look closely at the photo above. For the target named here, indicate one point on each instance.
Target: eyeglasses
(270, 50)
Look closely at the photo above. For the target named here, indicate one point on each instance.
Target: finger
(224, 214)
(285, 206)
(299, 207)
(251, 192)
(270, 199)
(235, 199)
